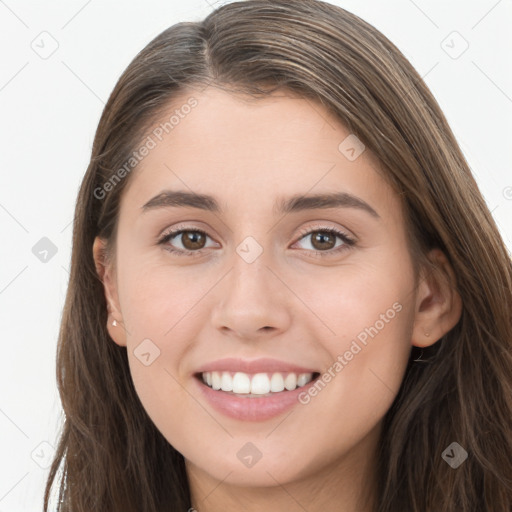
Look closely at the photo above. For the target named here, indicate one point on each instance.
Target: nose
(252, 302)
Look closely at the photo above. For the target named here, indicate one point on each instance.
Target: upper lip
(262, 365)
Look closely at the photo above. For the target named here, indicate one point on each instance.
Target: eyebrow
(296, 203)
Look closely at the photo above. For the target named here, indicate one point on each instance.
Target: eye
(323, 240)
(191, 239)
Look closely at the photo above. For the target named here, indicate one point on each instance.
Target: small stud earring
(114, 323)
(427, 334)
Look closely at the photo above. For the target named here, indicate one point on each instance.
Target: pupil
(320, 237)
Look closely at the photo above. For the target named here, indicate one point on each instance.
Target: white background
(49, 112)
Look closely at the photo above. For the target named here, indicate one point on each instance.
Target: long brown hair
(110, 456)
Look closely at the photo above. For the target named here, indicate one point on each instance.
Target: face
(321, 289)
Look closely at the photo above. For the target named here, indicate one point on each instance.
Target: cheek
(367, 302)
(159, 308)
(160, 301)
(371, 315)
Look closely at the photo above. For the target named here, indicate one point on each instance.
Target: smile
(255, 385)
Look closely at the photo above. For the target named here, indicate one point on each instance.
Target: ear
(109, 280)
(438, 303)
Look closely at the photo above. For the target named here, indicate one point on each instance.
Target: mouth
(255, 385)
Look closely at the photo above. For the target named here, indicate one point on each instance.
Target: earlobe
(438, 303)
(115, 325)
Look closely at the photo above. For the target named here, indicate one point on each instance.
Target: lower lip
(251, 409)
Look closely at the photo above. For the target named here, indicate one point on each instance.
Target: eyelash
(348, 242)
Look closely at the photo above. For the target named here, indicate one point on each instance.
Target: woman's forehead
(270, 146)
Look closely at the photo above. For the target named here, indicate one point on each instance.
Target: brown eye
(193, 240)
(323, 240)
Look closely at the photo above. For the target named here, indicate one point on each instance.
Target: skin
(321, 455)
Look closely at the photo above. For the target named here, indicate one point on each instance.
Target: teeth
(241, 383)
(276, 383)
(226, 383)
(260, 384)
(216, 380)
(255, 384)
(290, 383)
(302, 380)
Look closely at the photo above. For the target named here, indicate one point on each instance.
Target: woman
(286, 291)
